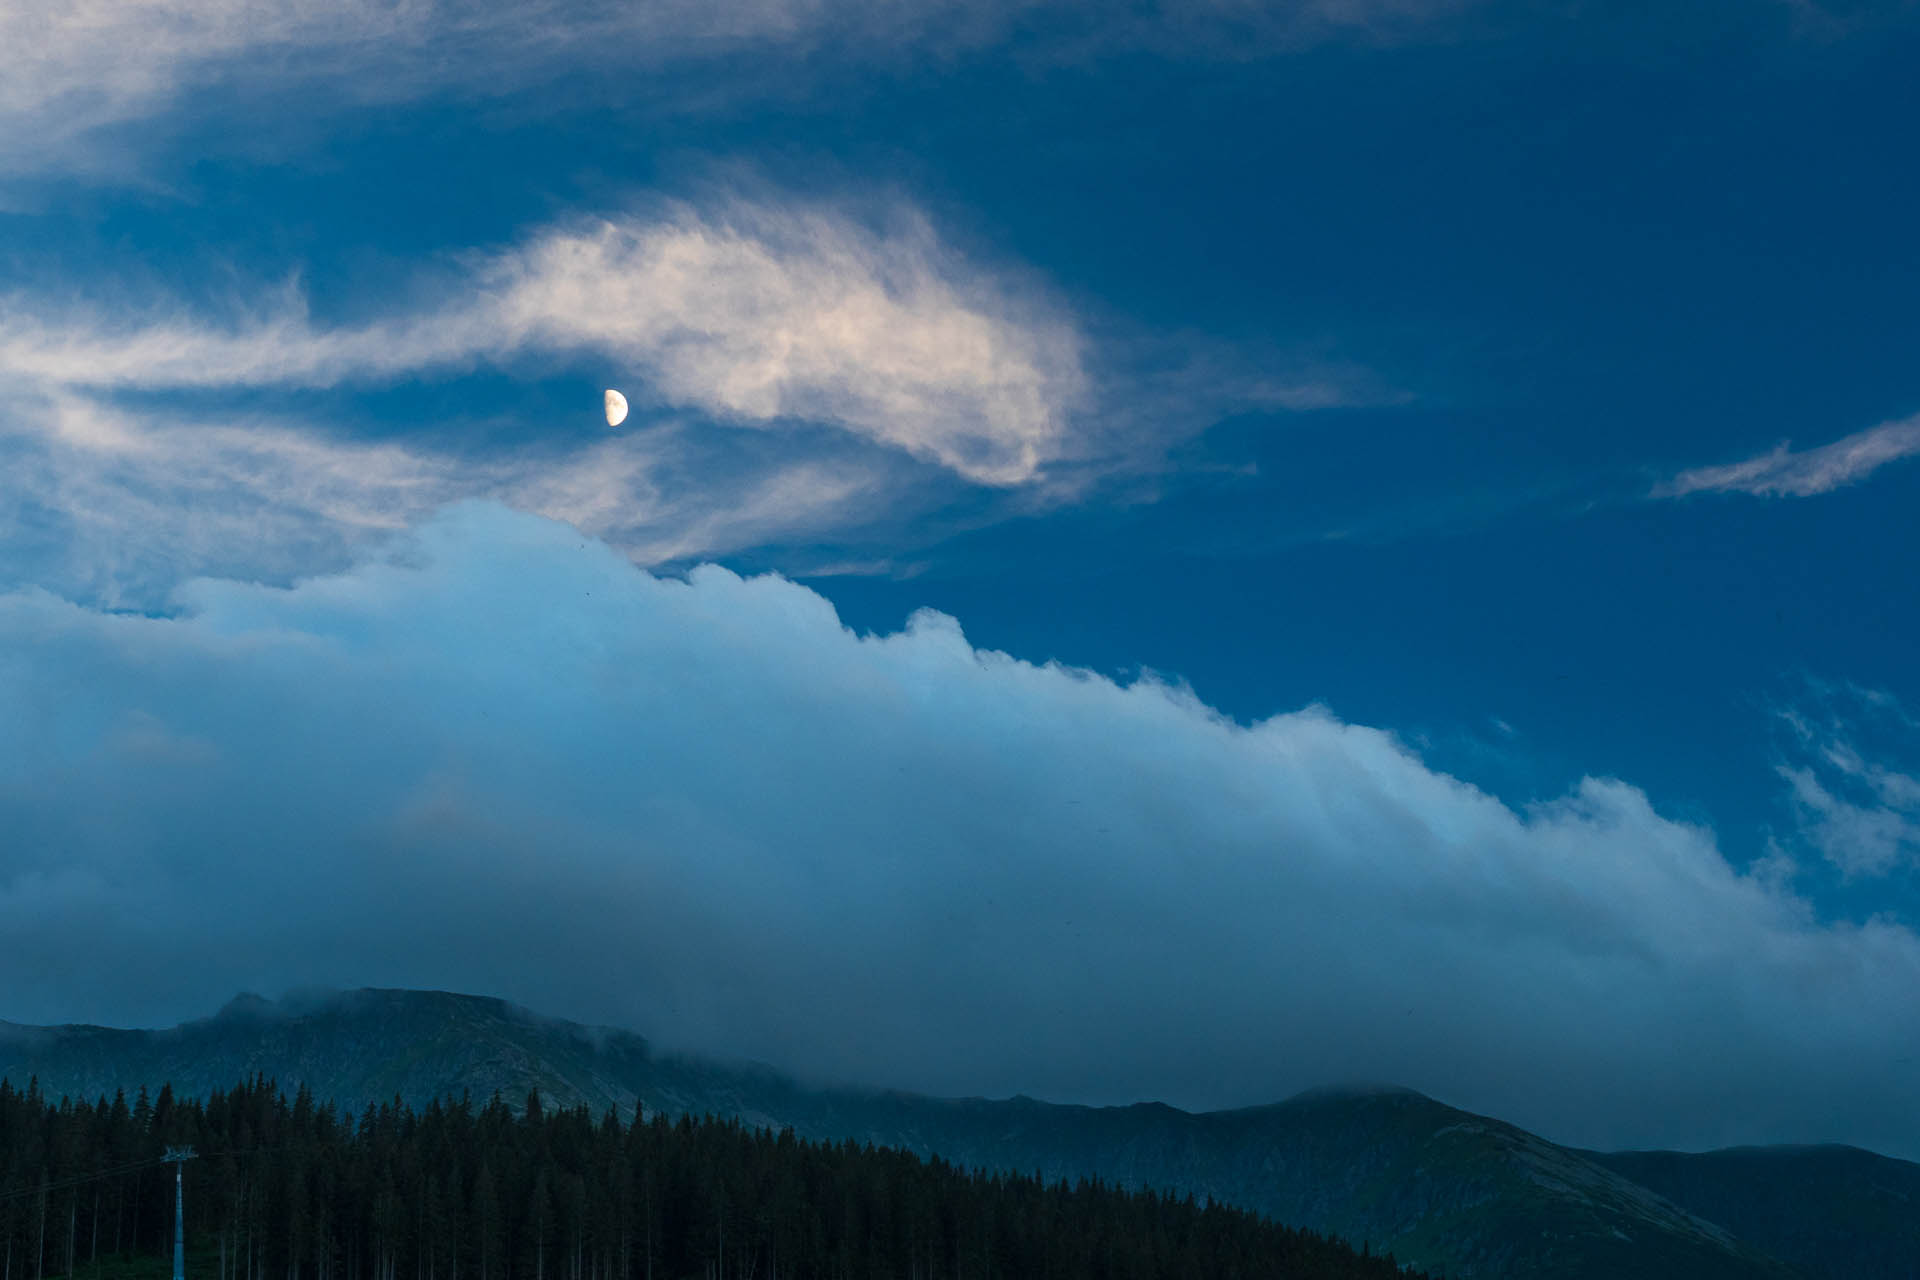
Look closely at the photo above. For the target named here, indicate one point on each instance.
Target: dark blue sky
(1532, 383)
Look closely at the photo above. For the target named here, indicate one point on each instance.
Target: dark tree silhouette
(288, 1190)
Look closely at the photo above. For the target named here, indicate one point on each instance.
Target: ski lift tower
(178, 1157)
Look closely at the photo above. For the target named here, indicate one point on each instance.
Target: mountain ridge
(1380, 1165)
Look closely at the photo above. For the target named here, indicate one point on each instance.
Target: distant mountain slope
(1442, 1188)
(1832, 1211)
(353, 1048)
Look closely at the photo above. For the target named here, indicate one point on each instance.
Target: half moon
(616, 408)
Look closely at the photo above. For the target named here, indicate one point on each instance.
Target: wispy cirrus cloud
(118, 507)
(1854, 805)
(755, 313)
(70, 71)
(873, 365)
(1786, 473)
(1861, 839)
(798, 369)
(1836, 19)
(70, 74)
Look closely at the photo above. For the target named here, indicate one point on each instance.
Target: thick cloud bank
(503, 759)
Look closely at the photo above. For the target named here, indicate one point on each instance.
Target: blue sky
(1457, 459)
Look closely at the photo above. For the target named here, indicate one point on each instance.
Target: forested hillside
(285, 1188)
(1441, 1188)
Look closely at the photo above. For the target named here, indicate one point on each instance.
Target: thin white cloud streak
(68, 69)
(503, 759)
(1784, 473)
(69, 72)
(755, 313)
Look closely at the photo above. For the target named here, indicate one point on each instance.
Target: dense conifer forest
(285, 1189)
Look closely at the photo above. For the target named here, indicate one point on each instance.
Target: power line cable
(121, 1171)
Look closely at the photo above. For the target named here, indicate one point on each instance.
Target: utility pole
(178, 1157)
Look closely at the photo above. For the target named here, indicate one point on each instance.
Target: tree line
(288, 1189)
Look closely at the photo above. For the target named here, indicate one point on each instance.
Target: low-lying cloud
(501, 758)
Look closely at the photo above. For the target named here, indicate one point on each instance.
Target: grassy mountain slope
(1441, 1188)
(1832, 1211)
